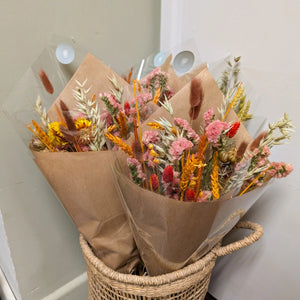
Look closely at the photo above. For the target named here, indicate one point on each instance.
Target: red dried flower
(190, 195)
(168, 174)
(233, 129)
(154, 182)
(127, 108)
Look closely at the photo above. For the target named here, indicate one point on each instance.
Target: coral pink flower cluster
(158, 79)
(144, 110)
(139, 174)
(280, 169)
(112, 100)
(214, 130)
(178, 146)
(208, 116)
(150, 137)
(155, 73)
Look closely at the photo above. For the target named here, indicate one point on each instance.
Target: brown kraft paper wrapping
(83, 181)
(97, 75)
(169, 233)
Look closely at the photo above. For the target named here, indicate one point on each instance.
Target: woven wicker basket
(190, 282)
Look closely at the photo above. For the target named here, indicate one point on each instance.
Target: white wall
(116, 31)
(266, 34)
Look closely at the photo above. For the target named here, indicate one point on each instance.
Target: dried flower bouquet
(71, 149)
(195, 150)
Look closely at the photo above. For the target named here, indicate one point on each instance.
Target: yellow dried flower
(54, 134)
(82, 123)
(153, 153)
(157, 161)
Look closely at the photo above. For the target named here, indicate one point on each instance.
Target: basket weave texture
(190, 282)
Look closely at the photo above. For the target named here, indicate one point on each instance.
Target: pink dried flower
(184, 125)
(150, 137)
(79, 115)
(261, 161)
(214, 130)
(179, 146)
(280, 169)
(208, 116)
(169, 93)
(142, 99)
(155, 73)
(112, 101)
(85, 148)
(149, 159)
(266, 151)
(107, 118)
(136, 172)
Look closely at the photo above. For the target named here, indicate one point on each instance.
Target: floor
(207, 297)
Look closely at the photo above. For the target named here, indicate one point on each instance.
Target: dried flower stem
(42, 112)
(232, 102)
(122, 122)
(254, 180)
(92, 111)
(187, 170)
(200, 155)
(122, 145)
(140, 129)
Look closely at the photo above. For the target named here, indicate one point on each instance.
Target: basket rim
(193, 268)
